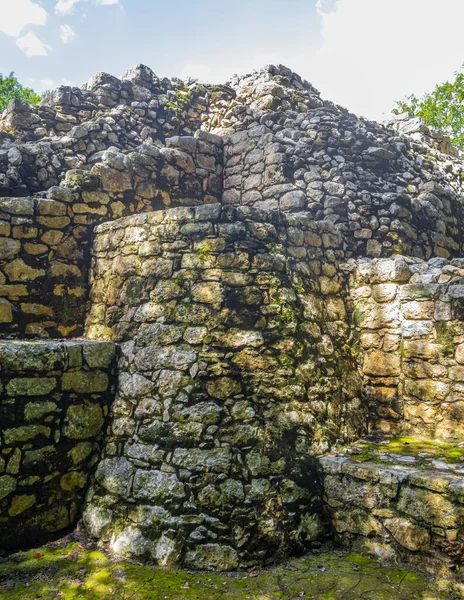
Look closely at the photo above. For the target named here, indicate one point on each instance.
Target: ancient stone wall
(44, 241)
(72, 126)
(401, 513)
(234, 370)
(54, 399)
(314, 162)
(409, 319)
(254, 333)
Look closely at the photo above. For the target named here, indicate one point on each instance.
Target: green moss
(202, 253)
(286, 361)
(72, 573)
(411, 446)
(445, 337)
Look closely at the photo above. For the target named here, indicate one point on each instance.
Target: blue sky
(363, 54)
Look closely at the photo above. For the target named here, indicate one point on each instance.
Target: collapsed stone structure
(277, 277)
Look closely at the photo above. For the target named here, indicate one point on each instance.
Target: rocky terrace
(271, 296)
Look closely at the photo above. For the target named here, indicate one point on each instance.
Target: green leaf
(442, 108)
(10, 88)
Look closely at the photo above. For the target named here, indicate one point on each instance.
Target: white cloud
(325, 6)
(18, 14)
(376, 52)
(65, 7)
(31, 45)
(47, 83)
(67, 33)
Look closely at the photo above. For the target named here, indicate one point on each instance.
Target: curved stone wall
(54, 399)
(253, 332)
(234, 370)
(44, 241)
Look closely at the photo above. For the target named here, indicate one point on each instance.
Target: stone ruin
(206, 292)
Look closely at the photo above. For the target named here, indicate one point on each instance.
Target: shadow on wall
(234, 371)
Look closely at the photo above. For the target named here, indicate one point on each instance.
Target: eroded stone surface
(398, 512)
(253, 330)
(50, 435)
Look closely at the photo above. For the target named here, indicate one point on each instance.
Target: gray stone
(115, 475)
(157, 486)
(212, 557)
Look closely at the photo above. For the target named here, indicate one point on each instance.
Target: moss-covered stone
(74, 572)
(83, 421)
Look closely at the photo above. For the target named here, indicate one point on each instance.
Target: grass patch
(76, 573)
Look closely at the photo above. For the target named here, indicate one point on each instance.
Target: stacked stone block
(44, 241)
(408, 317)
(233, 372)
(54, 400)
(403, 514)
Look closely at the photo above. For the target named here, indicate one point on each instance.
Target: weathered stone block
(381, 364)
(157, 486)
(428, 507)
(83, 421)
(85, 382)
(115, 475)
(31, 386)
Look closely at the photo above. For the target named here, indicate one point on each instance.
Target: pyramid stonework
(279, 278)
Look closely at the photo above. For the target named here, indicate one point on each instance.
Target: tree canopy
(443, 108)
(11, 88)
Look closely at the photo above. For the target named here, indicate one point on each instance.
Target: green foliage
(11, 88)
(443, 108)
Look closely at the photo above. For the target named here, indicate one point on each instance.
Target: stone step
(398, 512)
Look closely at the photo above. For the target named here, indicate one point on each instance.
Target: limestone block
(25, 433)
(217, 460)
(238, 339)
(9, 248)
(85, 382)
(212, 557)
(18, 270)
(150, 358)
(157, 486)
(115, 475)
(83, 421)
(7, 486)
(208, 293)
(99, 355)
(33, 411)
(421, 349)
(21, 503)
(372, 315)
(223, 387)
(384, 292)
(418, 310)
(409, 535)
(460, 354)
(113, 180)
(421, 413)
(428, 507)
(31, 386)
(6, 311)
(356, 522)
(381, 364)
(96, 519)
(427, 389)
